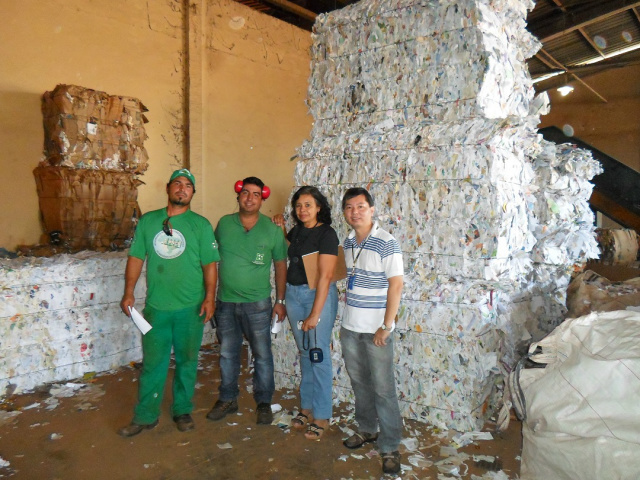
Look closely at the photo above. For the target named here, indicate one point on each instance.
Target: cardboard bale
(78, 123)
(93, 209)
(115, 108)
(591, 292)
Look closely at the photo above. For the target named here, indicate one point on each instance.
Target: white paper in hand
(276, 326)
(139, 320)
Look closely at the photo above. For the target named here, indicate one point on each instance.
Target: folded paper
(139, 320)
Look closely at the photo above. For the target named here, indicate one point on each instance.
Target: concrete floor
(74, 437)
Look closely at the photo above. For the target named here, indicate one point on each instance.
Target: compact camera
(315, 355)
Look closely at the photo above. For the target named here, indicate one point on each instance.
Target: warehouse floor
(60, 433)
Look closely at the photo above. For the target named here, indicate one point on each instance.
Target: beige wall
(247, 90)
(121, 47)
(614, 126)
(256, 70)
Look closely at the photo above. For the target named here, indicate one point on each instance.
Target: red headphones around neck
(266, 191)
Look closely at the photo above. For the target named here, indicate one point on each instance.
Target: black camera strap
(306, 339)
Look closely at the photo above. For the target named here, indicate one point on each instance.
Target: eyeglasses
(167, 228)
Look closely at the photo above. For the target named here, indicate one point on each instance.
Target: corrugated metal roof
(584, 38)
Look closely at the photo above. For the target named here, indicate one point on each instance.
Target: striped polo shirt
(376, 259)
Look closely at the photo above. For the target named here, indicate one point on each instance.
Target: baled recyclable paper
(429, 105)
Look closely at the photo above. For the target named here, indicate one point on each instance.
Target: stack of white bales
(426, 103)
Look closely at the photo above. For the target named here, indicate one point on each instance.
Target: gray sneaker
(221, 409)
(265, 415)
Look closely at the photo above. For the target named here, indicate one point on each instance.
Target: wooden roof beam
(611, 208)
(592, 43)
(297, 9)
(568, 70)
(581, 30)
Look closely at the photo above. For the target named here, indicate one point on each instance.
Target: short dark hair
(324, 215)
(354, 192)
(253, 181)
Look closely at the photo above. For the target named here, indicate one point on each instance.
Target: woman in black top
(312, 312)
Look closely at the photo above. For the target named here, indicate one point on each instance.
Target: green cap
(183, 172)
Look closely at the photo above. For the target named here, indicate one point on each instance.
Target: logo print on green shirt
(169, 247)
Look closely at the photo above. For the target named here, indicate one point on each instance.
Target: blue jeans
(252, 319)
(317, 378)
(371, 370)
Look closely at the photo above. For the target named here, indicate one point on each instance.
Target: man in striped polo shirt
(374, 288)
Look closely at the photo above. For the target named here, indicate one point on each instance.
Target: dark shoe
(135, 428)
(391, 462)
(221, 409)
(184, 422)
(359, 439)
(265, 415)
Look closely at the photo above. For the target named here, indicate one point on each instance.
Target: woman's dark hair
(324, 215)
(354, 192)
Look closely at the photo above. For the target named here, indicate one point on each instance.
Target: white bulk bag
(583, 409)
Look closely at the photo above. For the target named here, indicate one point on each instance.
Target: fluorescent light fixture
(565, 90)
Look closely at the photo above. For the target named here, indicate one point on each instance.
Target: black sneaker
(184, 422)
(221, 409)
(265, 415)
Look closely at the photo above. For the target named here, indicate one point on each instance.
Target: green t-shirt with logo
(174, 263)
(244, 272)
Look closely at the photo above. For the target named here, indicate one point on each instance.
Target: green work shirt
(245, 258)
(175, 279)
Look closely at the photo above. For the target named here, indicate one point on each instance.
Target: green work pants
(182, 330)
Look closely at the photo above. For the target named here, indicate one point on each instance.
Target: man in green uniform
(249, 244)
(181, 252)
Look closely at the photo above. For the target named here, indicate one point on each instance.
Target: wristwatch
(390, 329)
(282, 302)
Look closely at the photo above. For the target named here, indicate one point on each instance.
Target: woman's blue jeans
(316, 386)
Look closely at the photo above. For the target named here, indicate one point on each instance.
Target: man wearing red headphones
(249, 243)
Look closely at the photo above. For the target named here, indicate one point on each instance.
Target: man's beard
(178, 203)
